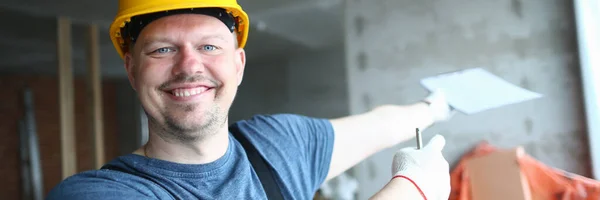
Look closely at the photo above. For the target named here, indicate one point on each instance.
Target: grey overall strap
(261, 167)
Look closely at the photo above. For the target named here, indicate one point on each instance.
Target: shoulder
(97, 184)
(284, 136)
(118, 179)
(285, 123)
(298, 147)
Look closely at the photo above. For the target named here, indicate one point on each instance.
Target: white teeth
(188, 92)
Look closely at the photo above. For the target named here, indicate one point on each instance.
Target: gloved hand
(426, 168)
(438, 106)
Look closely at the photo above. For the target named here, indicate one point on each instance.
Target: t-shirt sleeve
(86, 186)
(307, 139)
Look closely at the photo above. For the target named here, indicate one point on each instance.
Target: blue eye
(163, 50)
(209, 48)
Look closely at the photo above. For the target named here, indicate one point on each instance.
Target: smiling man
(185, 59)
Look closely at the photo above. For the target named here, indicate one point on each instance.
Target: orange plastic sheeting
(546, 183)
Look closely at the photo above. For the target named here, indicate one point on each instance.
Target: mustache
(184, 78)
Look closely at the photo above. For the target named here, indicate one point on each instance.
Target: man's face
(186, 69)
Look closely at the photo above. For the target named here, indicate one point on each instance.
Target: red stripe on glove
(413, 182)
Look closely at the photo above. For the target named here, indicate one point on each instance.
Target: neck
(201, 151)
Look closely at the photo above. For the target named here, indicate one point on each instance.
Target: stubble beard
(186, 132)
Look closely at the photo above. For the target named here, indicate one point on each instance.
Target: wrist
(409, 186)
(439, 107)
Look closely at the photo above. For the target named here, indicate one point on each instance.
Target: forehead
(185, 25)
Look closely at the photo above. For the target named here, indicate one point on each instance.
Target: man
(185, 59)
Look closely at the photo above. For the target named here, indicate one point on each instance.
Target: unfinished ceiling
(28, 36)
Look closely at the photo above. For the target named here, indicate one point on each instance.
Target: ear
(240, 64)
(130, 68)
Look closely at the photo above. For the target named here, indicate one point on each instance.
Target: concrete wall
(310, 83)
(317, 83)
(262, 90)
(391, 44)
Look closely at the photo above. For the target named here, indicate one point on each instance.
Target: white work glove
(438, 106)
(426, 167)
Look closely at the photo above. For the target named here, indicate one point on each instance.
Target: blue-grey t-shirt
(299, 149)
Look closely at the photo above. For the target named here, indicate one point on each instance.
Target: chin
(197, 120)
(186, 130)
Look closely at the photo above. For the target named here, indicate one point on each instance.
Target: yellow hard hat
(132, 8)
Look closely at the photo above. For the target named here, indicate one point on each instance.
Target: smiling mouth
(187, 92)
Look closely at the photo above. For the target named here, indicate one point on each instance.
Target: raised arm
(360, 136)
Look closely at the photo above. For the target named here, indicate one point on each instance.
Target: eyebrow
(159, 39)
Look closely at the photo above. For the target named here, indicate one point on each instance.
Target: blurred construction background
(323, 58)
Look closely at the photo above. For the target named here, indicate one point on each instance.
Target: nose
(189, 62)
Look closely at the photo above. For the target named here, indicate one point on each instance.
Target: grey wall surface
(262, 90)
(317, 83)
(310, 83)
(391, 44)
